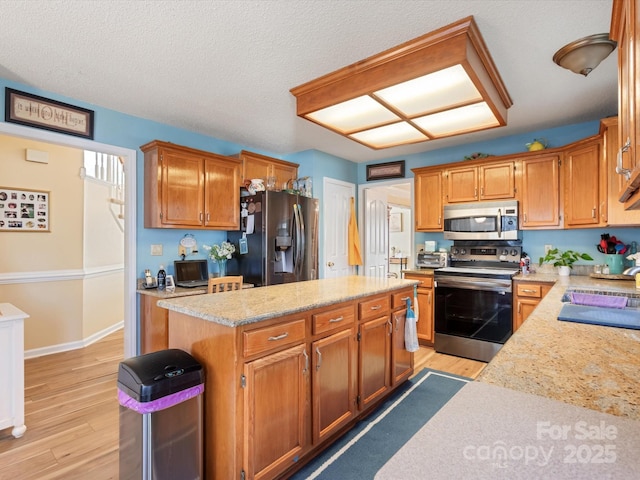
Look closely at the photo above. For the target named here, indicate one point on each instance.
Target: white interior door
(336, 205)
(376, 233)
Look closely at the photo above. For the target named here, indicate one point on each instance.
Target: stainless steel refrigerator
(278, 239)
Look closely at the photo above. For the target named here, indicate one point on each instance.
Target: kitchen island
(290, 367)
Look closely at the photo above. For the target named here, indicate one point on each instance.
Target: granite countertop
(242, 307)
(589, 366)
(179, 292)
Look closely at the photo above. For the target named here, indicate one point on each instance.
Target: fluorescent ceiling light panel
(352, 115)
(463, 119)
(396, 134)
(436, 91)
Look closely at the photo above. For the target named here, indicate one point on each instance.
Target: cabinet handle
(208, 216)
(319, 359)
(376, 307)
(404, 299)
(201, 216)
(336, 320)
(519, 308)
(619, 168)
(526, 290)
(306, 361)
(525, 217)
(593, 212)
(279, 337)
(475, 192)
(482, 191)
(390, 326)
(439, 219)
(397, 319)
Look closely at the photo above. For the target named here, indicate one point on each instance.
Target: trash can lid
(155, 375)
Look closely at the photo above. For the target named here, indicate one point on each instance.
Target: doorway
(386, 216)
(130, 328)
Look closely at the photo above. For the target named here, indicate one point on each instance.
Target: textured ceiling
(225, 68)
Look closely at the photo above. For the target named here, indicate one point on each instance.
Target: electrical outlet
(156, 249)
(547, 248)
(182, 250)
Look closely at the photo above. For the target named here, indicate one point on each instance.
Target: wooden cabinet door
(425, 308)
(497, 181)
(222, 193)
(401, 360)
(276, 412)
(428, 201)
(524, 307)
(283, 173)
(625, 29)
(253, 167)
(585, 184)
(182, 188)
(540, 200)
(374, 361)
(462, 185)
(334, 383)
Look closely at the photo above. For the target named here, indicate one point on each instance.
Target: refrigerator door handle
(298, 233)
(303, 245)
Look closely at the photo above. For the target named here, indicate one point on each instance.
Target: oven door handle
(476, 284)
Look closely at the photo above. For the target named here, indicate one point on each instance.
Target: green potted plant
(563, 260)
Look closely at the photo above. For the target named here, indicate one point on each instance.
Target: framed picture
(24, 210)
(381, 171)
(395, 222)
(35, 111)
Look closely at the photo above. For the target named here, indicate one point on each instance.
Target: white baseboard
(64, 347)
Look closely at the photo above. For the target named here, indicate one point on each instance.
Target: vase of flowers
(220, 254)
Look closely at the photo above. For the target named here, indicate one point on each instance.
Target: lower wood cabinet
(277, 391)
(527, 297)
(276, 409)
(425, 324)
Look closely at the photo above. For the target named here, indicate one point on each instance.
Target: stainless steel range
(473, 298)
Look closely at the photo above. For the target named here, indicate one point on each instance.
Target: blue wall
(123, 130)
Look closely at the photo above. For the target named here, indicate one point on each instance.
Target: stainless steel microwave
(481, 221)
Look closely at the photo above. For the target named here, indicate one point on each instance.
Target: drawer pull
(526, 290)
(404, 299)
(336, 320)
(376, 307)
(279, 337)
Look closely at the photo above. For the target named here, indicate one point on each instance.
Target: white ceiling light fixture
(585, 54)
(438, 85)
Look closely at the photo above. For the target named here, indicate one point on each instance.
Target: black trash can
(160, 397)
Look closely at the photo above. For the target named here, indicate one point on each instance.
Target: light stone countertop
(590, 366)
(237, 308)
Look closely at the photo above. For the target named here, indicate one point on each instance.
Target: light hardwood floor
(71, 412)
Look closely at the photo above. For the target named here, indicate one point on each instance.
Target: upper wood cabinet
(488, 181)
(585, 179)
(428, 199)
(617, 216)
(625, 29)
(255, 165)
(540, 196)
(189, 188)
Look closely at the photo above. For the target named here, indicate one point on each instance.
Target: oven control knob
(504, 252)
(463, 251)
(514, 252)
(455, 251)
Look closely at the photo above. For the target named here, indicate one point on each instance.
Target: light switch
(156, 249)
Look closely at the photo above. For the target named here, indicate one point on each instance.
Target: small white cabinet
(12, 378)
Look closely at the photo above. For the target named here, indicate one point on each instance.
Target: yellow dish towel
(355, 255)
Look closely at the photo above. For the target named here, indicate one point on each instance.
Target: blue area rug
(364, 449)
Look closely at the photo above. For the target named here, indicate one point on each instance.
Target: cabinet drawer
(268, 338)
(398, 300)
(424, 281)
(529, 290)
(337, 318)
(374, 307)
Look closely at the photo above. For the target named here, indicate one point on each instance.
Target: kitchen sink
(627, 317)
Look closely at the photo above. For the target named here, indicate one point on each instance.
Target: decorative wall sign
(34, 111)
(385, 170)
(24, 210)
(395, 222)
